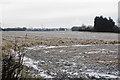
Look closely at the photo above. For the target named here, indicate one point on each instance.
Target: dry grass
(12, 62)
(35, 40)
(109, 59)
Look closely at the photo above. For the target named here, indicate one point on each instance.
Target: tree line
(100, 25)
(34, 29)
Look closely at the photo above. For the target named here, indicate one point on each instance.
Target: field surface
(68, 54)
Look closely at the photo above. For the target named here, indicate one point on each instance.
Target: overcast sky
(55, 13)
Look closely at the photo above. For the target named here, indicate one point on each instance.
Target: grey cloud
(59, 13)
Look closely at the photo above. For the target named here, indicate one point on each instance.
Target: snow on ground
(32, 63)
(47, 47)
(36, 47)
(81, 45)
(44, 75)
(51, 47)
(68, 66)
(99, 75)
(98, 51)
(106, 61)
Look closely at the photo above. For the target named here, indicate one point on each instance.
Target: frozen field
(70, 54)
(65, 34)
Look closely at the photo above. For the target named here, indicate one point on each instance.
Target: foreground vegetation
(12, 62)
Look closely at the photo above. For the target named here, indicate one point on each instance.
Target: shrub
(12, 62)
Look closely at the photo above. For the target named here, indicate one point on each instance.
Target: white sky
(55, 13)
(119, 14)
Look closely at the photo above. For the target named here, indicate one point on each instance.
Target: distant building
(119, 22)
(75, 28)
(81, 28)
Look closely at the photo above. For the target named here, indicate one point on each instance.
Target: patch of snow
(53, 73)
(42, 61)
(98, 75)
(30, 63)
(117, 44)
(106, 61)
(75, 73)
(61, 50)
(81, 45)
(112, 51)
(46, 51)
(41, 46)
(94, 52)
(50, 47)
(45, 75)
(71, 73)
(36, 47)
(74, 63)
(64, 70)
(16, 54)
(55, 47)
(77, 57)
(44, 47)
(103, 49)
(89, 70)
